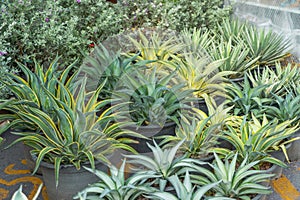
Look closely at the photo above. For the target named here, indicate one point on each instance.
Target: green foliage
(199, 74)
(60, 119)
(235, 55)
(255, 140)
(31, 88)
(238, 180)
(72, 135)
(43, 29)
(284, 109)
(246, 98)
(183, 190)
(152, 97)
(107, 66)
(19, 195)
(115, 186)
(164, 163)
(267, 45)
(175, 15)
(200, 131)
(280, 81)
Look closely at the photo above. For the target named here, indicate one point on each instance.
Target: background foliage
(70, 28)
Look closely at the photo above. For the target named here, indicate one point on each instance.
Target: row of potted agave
(73, 118)
(252, 138)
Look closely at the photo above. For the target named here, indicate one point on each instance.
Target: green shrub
(174, 14)
(43, 29)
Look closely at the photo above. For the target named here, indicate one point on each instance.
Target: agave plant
(19, 195)
(235, 56)
(284, 109)
(74, 134)
(238, 180)
(152, 98)
(267, 45)
(164, 163)
(230, 28)
(256, 139)
(184, 190)
(200, 136)
(196, 41)
(200, 131)
(31, 90)
(156, 46)
(281, 81)
(104, 65)
(115, 186)
(245, 98)
(199, 73)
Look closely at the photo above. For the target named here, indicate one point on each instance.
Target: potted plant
(257, 139)
(245, 98)
(71, 137)
(115, 186)
(267, 45)
(154, 103)
(19, 195)
(30, 89)
(236, 57)
(104, 64)
(238, 179)
(280, 82)
(184, 189)
(162, 164)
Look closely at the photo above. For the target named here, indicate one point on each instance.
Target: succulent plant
(238, 180)
(115, 186)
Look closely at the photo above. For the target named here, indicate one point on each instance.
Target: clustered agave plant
(79, 115)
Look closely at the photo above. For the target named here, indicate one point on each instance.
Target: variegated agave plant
(73, 134)
(238, 180)
(115, 186)
(19, 195)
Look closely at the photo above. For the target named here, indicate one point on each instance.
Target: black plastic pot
(294, 150)
(280, 156)
(71, 180)
(151, 132)
(201, 104)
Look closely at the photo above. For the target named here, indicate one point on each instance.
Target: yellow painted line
(24, 162)
(11, 171)
(34, 180)
(18, 181)
(44, 193)
(285, 188)
(298, 169)
(3, 193)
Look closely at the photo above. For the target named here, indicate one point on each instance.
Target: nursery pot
(201, 104)
(150, 131)
(30, 160)
(70, 181)
(294, 150)
(280, 156)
